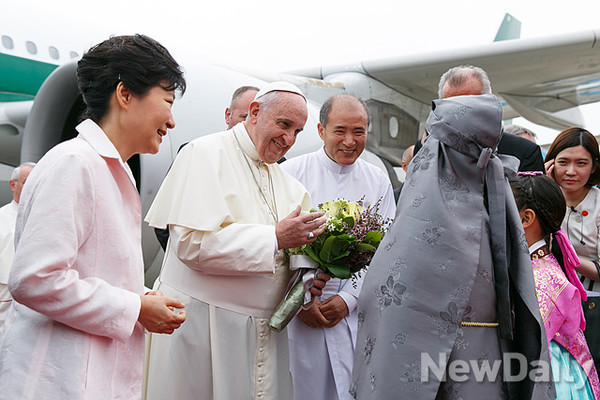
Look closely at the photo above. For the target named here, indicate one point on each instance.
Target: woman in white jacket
(76, 327)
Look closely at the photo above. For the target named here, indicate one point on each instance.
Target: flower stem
(287, 309)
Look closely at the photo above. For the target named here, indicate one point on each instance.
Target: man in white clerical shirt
(322, 338)
(8, 218)
(231, 211)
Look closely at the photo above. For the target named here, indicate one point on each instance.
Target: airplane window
(31, 47)
(393, 130)
(393, 127)
(7, 42)
(73, 54)
(53, 51)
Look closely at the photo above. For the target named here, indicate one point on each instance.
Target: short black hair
(138, 61)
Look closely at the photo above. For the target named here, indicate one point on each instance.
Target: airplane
(541, 79)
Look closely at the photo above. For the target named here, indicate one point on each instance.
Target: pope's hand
(334, 309)
(313, 317)
(295, 230)
(157, 315)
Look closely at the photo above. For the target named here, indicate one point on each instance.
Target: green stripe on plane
(21, 78)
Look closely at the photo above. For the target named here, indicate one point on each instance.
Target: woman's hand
(549, 168)
(588, 269)
(157, 313)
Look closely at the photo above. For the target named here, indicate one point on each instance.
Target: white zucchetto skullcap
(279, 86)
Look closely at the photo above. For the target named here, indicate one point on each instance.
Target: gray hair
(519, 130)
(328, 105)
(457, 75)
(240, 91)
(268, 99)
(408, 153)
(16, 174)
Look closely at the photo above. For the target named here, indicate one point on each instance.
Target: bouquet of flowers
(352, 234)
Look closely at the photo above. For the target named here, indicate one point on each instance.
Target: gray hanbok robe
(450, 289)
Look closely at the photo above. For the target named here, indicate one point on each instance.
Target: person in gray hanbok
(450, 290)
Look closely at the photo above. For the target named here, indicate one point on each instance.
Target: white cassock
(321, 358)
(72, 330)
(8, 217)
(221, 203)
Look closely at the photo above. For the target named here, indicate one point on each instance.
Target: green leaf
(349, 221)
(339, 271)
(365, 247)
(373, 237)
(348, 238)
(317, 244)
(341, 256)
(326, 251)
(313, 255)
(341, 245)
(334, 247)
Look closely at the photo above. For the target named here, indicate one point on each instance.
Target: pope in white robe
(321, 357)
(224, 199)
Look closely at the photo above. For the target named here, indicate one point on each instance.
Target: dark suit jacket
(525, 150)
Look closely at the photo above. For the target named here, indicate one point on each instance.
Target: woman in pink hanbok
(75, 329)
(559, 292)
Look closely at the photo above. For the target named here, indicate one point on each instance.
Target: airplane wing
(541, 79)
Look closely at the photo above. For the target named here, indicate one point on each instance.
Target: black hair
(574, 137)
(543, 196)
(138, 61)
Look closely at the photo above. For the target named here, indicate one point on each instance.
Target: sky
(281, 35)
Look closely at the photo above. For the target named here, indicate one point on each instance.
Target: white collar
(536, 245)
(95, 136)
(246, 143)
(332, 165)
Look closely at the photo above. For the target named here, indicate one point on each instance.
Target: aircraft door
(392, 130)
